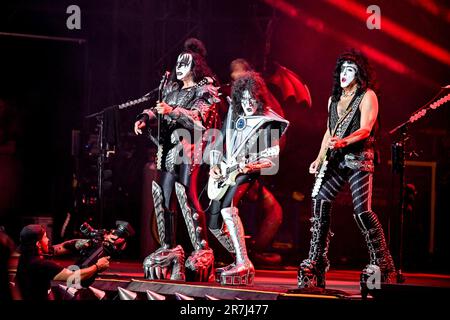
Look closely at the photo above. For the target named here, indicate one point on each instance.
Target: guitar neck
(232, 168)
(236, 166)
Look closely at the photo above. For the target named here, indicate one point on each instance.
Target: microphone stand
(398, 158)
(398, 167)
(101, 142)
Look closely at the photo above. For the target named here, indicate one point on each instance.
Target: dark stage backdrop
(123, 48)
(41, 85)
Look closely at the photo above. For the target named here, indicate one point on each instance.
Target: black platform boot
(311, 272)
(381, 267)
(167, 262)
(201, 260)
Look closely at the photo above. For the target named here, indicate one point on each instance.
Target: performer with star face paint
(347, 155)
(251, 132)
(187, 106)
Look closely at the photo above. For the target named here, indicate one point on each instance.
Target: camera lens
(87, 230)
(123, 229)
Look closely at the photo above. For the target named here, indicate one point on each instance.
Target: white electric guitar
(218, 187)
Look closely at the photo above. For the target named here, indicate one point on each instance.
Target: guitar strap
(343, 123)
(339, 131)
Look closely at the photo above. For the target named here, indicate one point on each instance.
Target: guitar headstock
(163, 83)
(436, 104)
(203, 82)
(273, 151)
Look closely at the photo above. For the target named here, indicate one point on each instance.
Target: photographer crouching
(35, 271)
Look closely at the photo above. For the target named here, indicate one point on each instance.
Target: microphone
(166, 76)
(136, 101)
(146, 97)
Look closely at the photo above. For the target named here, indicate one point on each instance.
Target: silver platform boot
(224, 238)
(241, 272)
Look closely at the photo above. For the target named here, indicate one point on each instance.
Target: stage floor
(268, 284)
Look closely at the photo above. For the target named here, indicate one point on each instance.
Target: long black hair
(365, 75)
(255, 84)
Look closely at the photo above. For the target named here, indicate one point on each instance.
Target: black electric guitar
(161, 87)
(342, 124)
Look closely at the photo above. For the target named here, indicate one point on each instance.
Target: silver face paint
(248, 103)
(348, 73)
(184, 65)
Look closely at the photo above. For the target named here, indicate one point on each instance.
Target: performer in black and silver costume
(353, 114)
(188, 103)
(250, 128)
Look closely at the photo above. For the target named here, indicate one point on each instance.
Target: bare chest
(342, 106)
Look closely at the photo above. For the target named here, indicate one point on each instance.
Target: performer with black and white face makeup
(188, 105)
(251, 135)
(347, 155)
(184, 67)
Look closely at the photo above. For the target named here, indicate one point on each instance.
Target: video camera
(101, 245)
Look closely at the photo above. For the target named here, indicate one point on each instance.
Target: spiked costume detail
(353, 164)
(201, 260)
(312, 270)
(167, 262)
(381, 266)
(189, 111)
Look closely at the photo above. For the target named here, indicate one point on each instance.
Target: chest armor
(243, 137)
(169, 149)
(180, 98)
